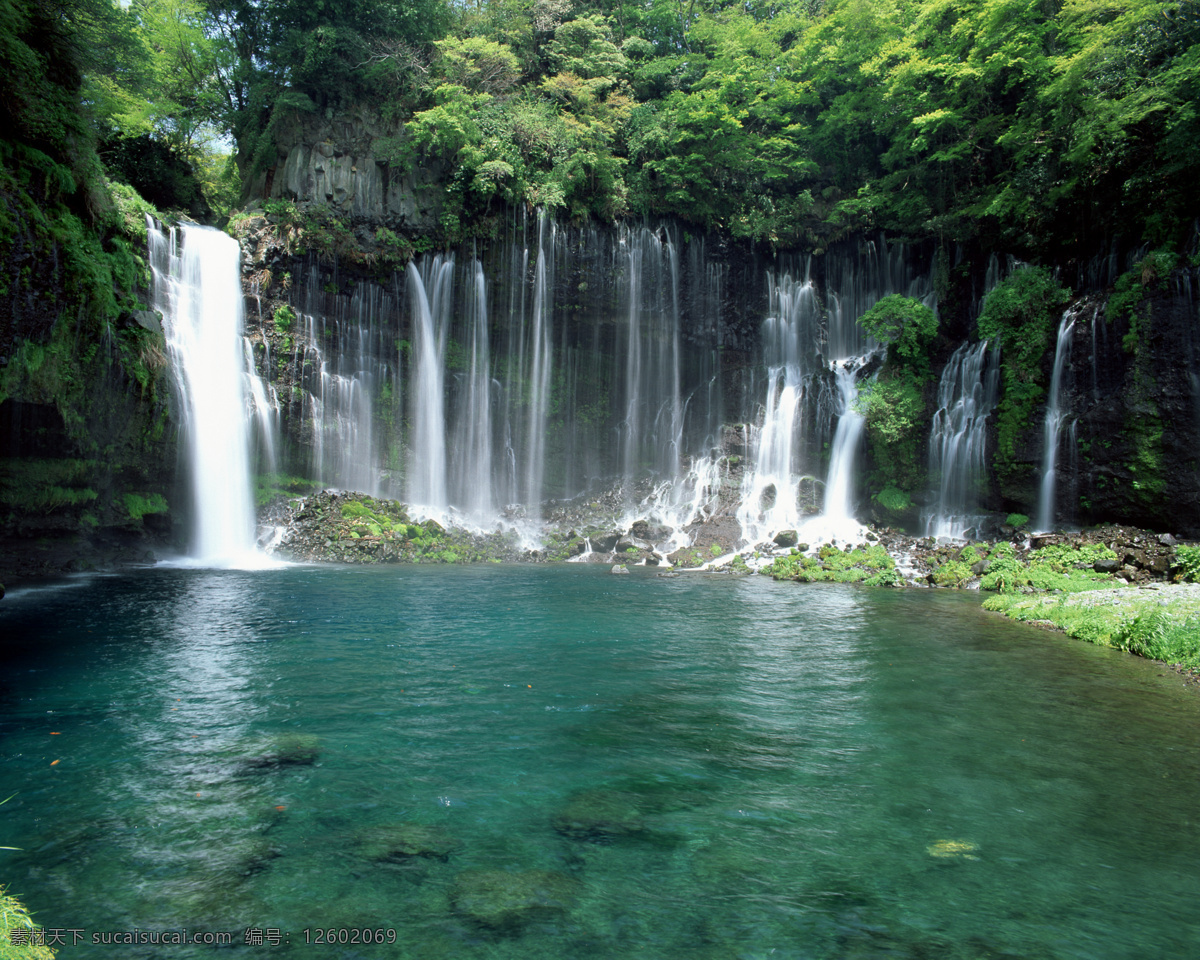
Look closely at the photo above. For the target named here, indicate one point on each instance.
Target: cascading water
(805, 349)
(1052, 425)
(791, 337)
(197, 289)
(431, 292)
(967, 394)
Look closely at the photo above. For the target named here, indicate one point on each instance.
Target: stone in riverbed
(600, 816)
(619, 568)
(1107, 565)
(786, 538)
(505, 902)
(398, 842)
(286, 750)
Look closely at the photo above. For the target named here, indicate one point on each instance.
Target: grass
(1159, 628)
(14, 918)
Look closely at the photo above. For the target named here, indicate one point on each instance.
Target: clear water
(782, 759)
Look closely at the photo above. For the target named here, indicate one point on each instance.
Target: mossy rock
(506, 902)
(600, 816)
(286, 750)
(398, 842)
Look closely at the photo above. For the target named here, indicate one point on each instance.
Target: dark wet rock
(766, 499)
(980, 567)
(600, 816)
(506, 902)
(398, 842)
(604, 543)
(1107, 565)
(646, 530)
(1159, 565)
(786, 538)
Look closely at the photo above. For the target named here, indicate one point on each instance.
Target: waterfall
(431, 291)
(1052, 425)
(967, 394)
(471, 467)
(539, 362)
(814, 358)
(197, 289)
(791, 337)
(839, 485)
(652, 429)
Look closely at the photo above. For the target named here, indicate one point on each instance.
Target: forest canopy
(1021, 125)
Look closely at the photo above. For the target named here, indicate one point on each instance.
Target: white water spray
(197, 289)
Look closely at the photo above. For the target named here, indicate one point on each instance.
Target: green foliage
(894, 409)
(893, 499)
(872, 566)
(907, 327)
(1187, 564)
(270, 486)
(46, 485)
(284, 317)
(1167, 630)
(1056, 567)
(15, 918)
(1022, 312)
(137, 505)
(1132, 288)
(1017, 521)
(952, 574)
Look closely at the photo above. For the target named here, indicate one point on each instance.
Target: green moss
(269, 486)
(46, 485)
(952, 574)
(1017, 520)
(138, 505)
(1058, 567)
(1022, 313)
(872, 565)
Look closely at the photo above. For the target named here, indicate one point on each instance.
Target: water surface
(637, 766)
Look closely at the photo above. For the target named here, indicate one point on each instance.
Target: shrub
(1187, 564)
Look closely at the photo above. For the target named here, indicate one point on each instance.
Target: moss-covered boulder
(285, 750)
(399, 842)
(600, 816)
(506, 902)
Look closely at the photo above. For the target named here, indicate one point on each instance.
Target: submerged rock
(505, 902)
(600, 816)
(397, 842)
(286, 750)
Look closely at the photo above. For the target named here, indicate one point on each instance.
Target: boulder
(786, 538)
(619, 568)
(398, 842)
(600, 816)
(506, 902)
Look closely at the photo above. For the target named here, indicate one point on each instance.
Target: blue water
(636, 766)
